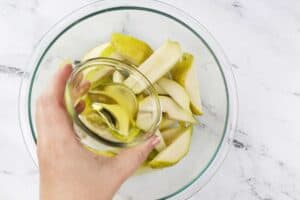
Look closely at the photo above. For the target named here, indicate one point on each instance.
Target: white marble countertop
(261, 39)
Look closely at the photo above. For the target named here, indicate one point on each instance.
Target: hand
(67, 170)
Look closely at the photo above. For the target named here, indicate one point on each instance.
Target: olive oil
(111, 106)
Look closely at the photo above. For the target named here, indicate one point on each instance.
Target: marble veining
(11, 70)
(261, 39)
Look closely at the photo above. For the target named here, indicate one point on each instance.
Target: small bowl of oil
(102, 98)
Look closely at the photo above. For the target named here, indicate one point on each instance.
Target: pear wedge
(119, 114)
(161, 145)
(144, 120)
(116, 93)
(123, 96)
(95, 52)
(130, 48)
(171, 133)
(96, 75)
(107, 153)
(176, 91)
(173, 153)
(133, 133)
(103, 50)
(171, 108)
(157, 65)
(118, 77)
(166, 123)
(97, 128)
(159, 90)
(185, 74)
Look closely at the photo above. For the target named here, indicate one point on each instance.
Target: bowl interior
(154, 27)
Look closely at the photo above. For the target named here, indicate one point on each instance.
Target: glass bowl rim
(157, 7)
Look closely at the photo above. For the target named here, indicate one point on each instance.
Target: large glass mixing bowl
(153, 22)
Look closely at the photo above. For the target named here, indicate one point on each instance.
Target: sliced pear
(151, 155)
(171, 133)
(157, 65)
(172, 109)
(97, 74)
(102, 153)
(176, 91)
(161, 145)
(99, 96)
(118, 77)
(103, 50)
(117, 94)
(173, 153)
(185, 74)
(130, 48)
(108, 51)
(193, 88)
(120, 115)
(133, 133)
(140, 97)
(95, 52)
(123, 96)
(98, 128)
(144, 120)
(159, 90)
(166, 123)
(98, 148)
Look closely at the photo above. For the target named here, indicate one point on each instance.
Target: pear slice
(157, 65)
(98, 128)
(166, 123)
(185, 74)
(159, 90)
(94, 146)
(161, 145)
(110, 52)
(97, 74)
(107, 153)
(95, 52)
(116, 94)
(118, 77)
(124, 97)
(151, 155)
(121, 126)
(171, 108)
(103, 50)
(133, 133)
(170, 134)
(176, 91)
(130, 48)
(173, 153)
(144, 120)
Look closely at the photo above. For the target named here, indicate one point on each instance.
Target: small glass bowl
(105, 69)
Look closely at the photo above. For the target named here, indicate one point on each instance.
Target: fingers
(80, 107)
(80, 89)
(129, 160)
(52, 120)
(58, 84)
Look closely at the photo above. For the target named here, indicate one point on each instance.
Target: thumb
(57, 88)
(129, 160)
